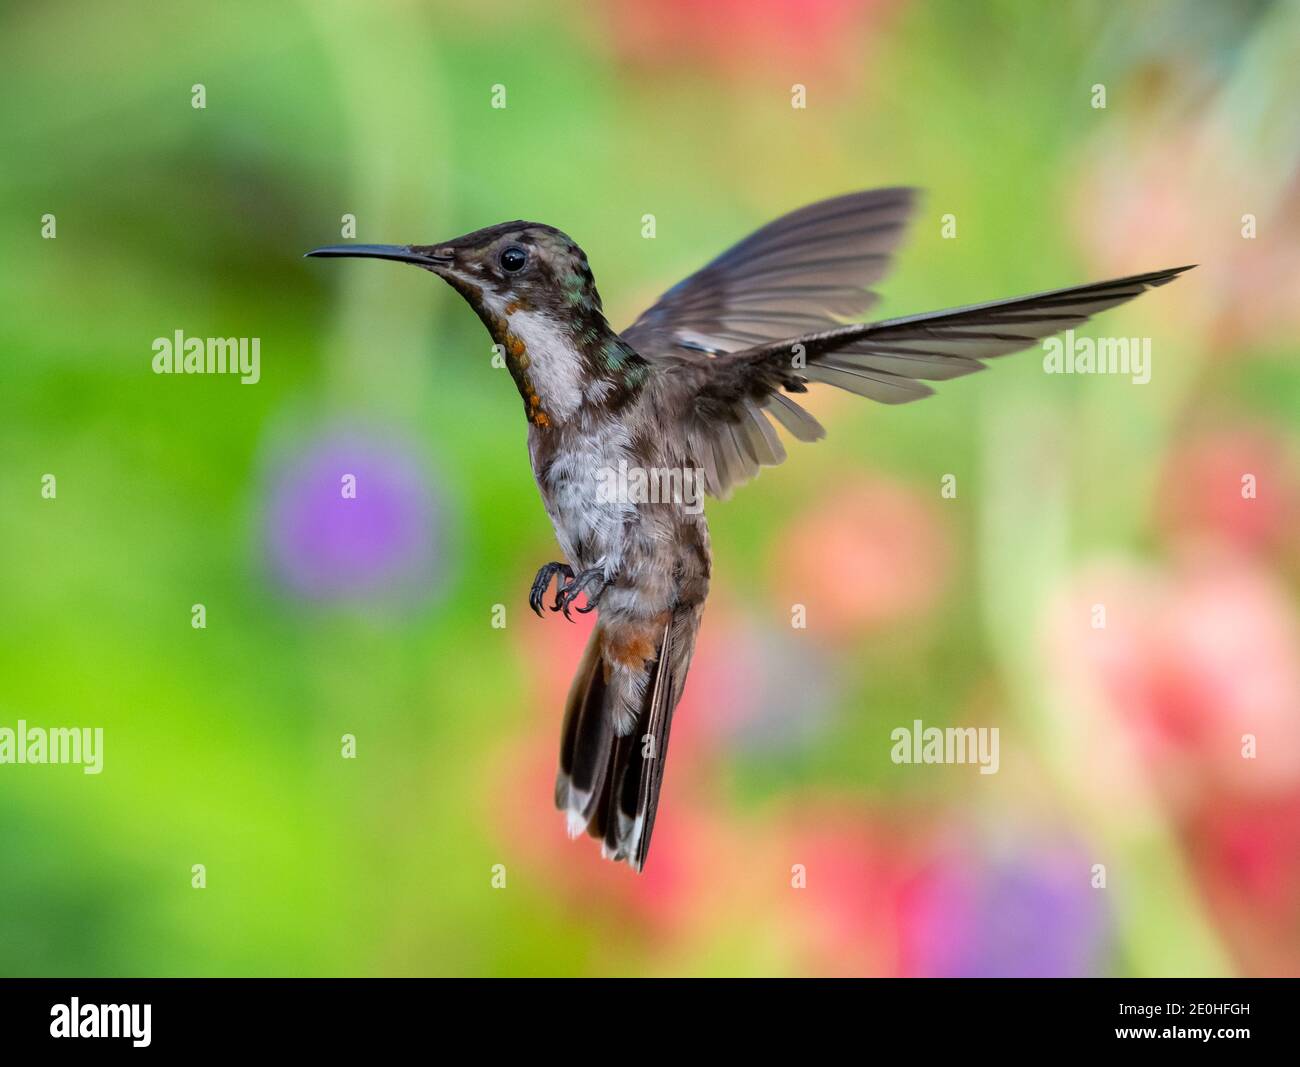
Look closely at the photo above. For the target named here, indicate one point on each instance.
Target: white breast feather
(573, 498)
(554, 366)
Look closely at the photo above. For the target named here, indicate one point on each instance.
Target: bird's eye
(513, 259)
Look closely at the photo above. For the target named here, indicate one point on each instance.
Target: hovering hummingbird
(689, 387)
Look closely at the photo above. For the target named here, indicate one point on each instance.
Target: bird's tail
(610, 775)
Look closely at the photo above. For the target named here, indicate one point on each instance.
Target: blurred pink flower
(844, 921)
(1202, 489)
(1147, 198)
(748, 39)
(1190, 660)
(869, 554)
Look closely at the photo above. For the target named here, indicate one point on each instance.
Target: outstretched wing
(805, 271)
(887, 361)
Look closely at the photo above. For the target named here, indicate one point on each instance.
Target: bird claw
(565, 595)
(543, 580)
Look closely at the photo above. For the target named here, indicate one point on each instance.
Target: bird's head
(514, 266)
(534, 291)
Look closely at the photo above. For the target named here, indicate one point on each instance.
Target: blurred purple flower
(352, 517)
(1033, 915)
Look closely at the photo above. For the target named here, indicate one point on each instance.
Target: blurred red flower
(1247, 858)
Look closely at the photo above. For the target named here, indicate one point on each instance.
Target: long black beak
(400, 253)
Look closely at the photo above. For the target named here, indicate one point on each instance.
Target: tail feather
(584, 767)
(609, 783)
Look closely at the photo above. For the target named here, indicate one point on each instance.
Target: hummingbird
(682, 403)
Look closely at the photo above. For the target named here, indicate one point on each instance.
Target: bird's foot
(592, 582)
(543, 581)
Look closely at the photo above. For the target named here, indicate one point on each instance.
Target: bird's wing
(805, 271)
(889, 361)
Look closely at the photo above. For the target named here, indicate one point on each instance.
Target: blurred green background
(1120, 747)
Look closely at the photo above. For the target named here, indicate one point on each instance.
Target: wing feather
(888, 361)
(805, 271)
